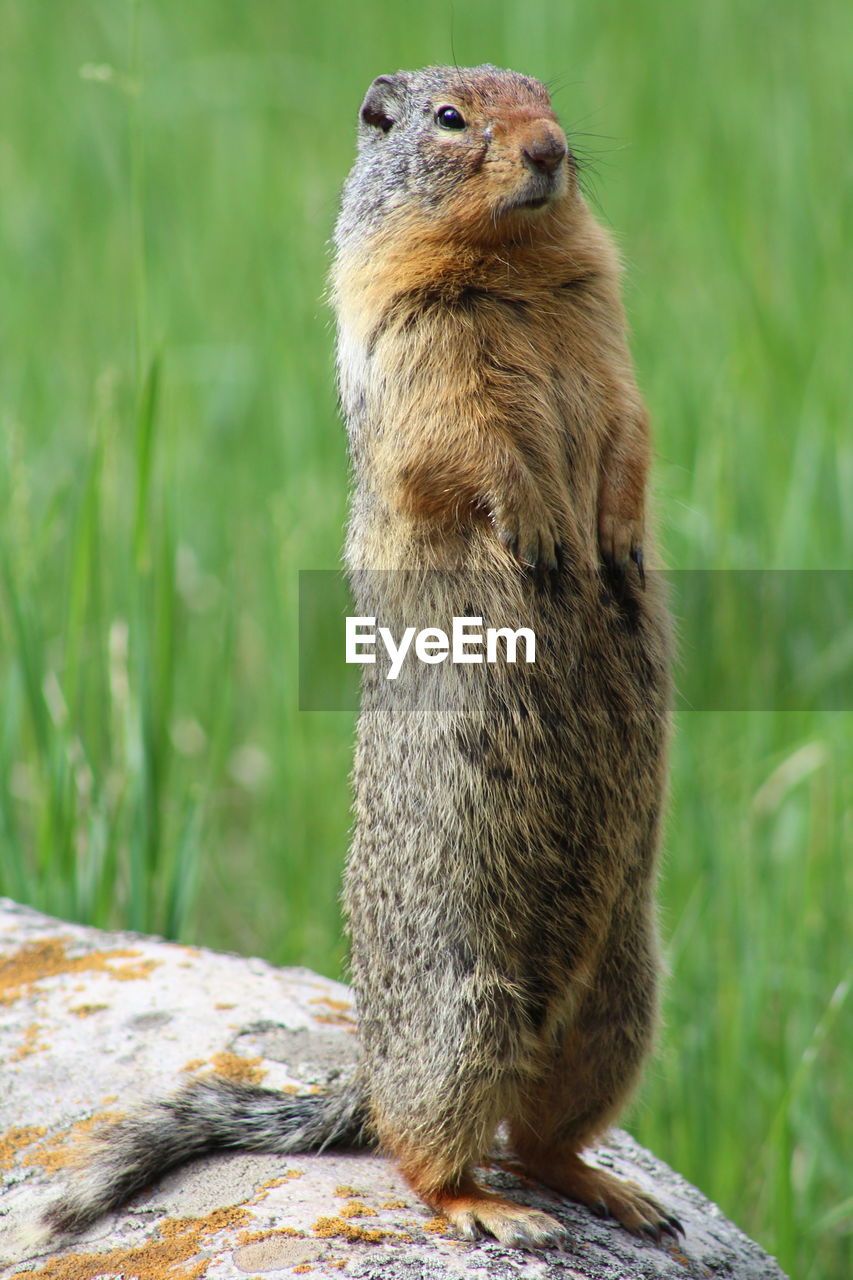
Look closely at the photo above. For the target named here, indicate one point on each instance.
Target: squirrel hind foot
(606, 1195)
(473, 1212)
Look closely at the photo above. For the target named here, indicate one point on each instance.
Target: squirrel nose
(544, 148)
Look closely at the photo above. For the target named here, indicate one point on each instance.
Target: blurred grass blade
(146, 418)
(28, 650)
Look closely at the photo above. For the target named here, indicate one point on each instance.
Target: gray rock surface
(91, 1023)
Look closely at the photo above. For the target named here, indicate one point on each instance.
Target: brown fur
(499, 889)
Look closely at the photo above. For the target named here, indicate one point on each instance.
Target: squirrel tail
(214, 1114)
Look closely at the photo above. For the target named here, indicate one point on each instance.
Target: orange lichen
(86, 1010)
(233, 1067)
(345, 1192)
(234, 1215)
(436, 1225)
(357, 1209)
(172, 1256)
(253, 1237)
(22, 972)
(28, 1045)
(339, 1015)
(393, 1204)
(326, 1228)
(265, 1187)
(14, 1140)
(221, 1005)
(193, 1064)
(337, 1006)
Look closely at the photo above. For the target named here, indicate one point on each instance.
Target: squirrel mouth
(527, 200)
(536, 194)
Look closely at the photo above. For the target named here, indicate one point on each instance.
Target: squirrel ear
(380, 105)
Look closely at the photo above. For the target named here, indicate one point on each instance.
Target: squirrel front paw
(620, 540)
(531, 535)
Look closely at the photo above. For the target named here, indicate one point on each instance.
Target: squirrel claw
(637, 557)
(620, 544)
(548, 570)
(467, 1227)
(551, 563)
(538, 554)
(617, 568)
(617, 573)
(510, 540)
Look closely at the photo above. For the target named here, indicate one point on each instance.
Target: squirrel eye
(449, 118)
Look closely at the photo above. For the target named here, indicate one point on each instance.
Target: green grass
(172, 457)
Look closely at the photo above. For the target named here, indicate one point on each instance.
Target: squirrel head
(477, 152)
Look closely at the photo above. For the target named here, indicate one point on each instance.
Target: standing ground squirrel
(499, 887)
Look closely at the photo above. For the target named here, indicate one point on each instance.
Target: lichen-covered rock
(91, 1023)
